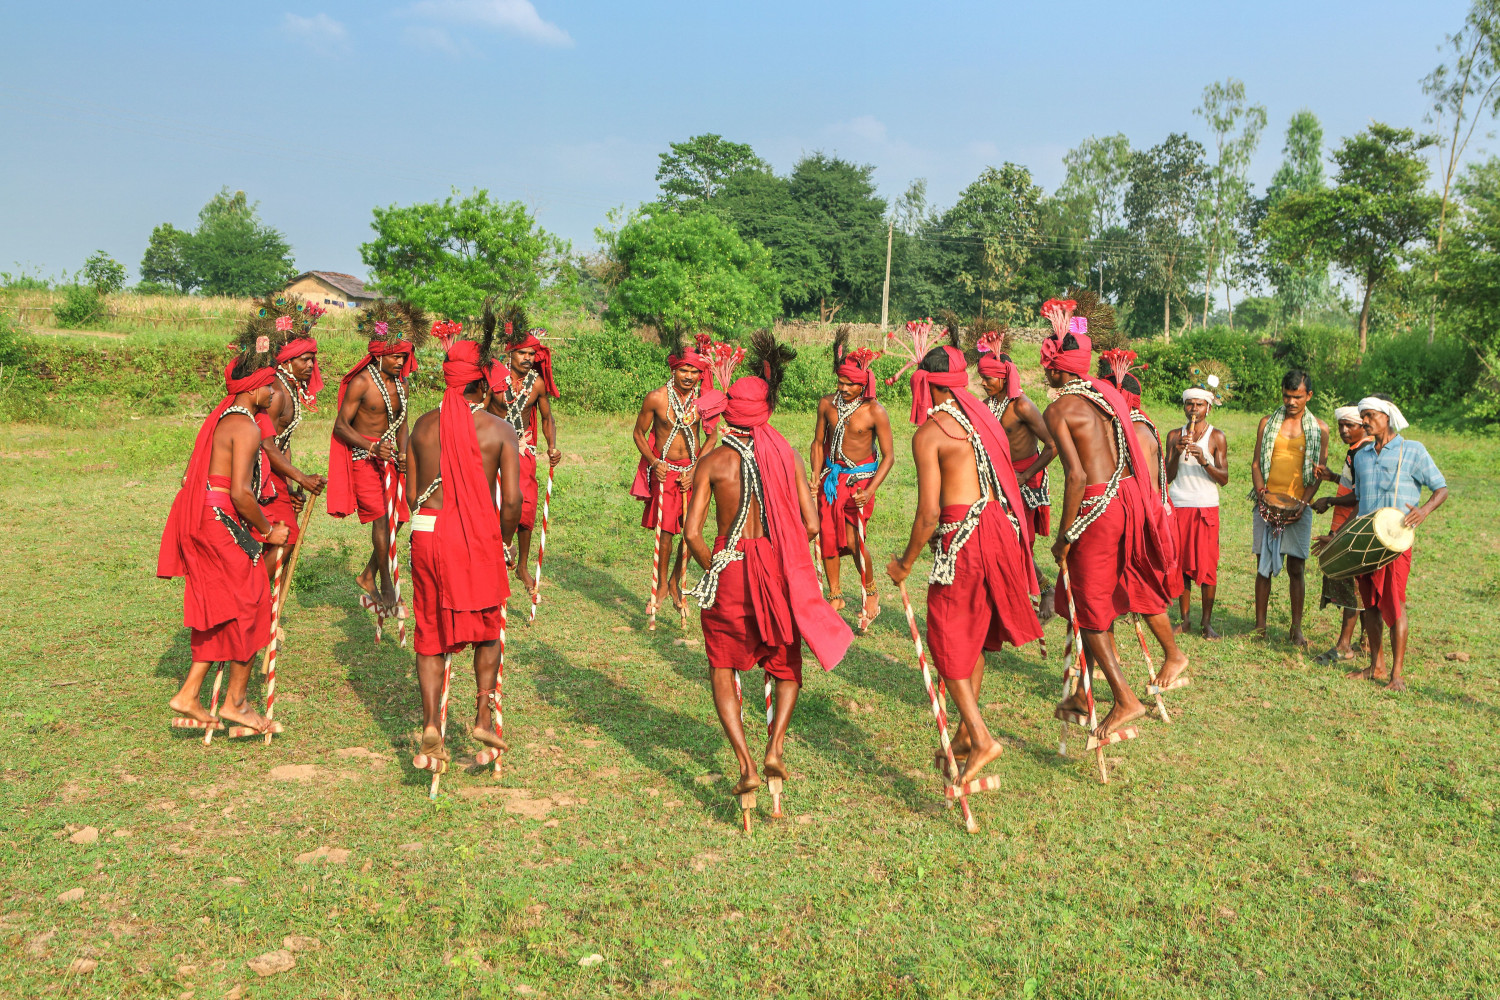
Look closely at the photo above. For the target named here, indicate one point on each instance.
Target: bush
(1254, 369)
(1425, 379)
(81, 306)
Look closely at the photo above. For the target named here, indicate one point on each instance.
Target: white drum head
(1392, 533)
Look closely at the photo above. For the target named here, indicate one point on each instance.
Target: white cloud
(319, 32)
(430, 39)
(866, 127)
(515, 17)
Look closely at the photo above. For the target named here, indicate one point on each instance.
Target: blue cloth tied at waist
(834, 470)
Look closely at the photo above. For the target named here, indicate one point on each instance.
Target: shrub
(1254, 369)
(1424, 379)
(81, 306)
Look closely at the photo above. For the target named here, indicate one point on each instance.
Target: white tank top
(1193, 487)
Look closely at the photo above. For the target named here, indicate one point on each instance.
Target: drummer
(1390, 474)
(1342, 594)
(1289, 445)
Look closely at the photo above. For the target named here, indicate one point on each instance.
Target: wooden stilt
(1151, 688)
(541, 551)
(661, 487)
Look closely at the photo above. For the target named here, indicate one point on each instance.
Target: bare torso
(371, 418)
(859, 432)
(659, 408)
(942, 437)
(425, 452)
(1092, 434)
(1023, 441)
(722, 467)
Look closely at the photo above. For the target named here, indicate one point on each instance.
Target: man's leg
(1262, 598)
(983, 747)
(379, 566)
(1297, 593)
(835, 585)
(1374, 628)
(1127, 707)
(962, 744)
(786, 700)
(430, 683)
(728, 707)
(1345, 644)
(1398, 649)
(674, 585)
(523, 572)
(185, 701)
(236, 707)
(1210, 590)
(1185, 606)
(1174, 661)
(486, 672)
(864, 567)
(664, 572)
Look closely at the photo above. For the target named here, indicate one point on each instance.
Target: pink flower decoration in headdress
(446, 332)
(922, 337)
(381, 328)
(283, 324)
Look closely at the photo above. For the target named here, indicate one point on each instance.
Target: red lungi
(834, 537)
(751, 619)
(1096, 568)
(442, 630)
(279, 508)
(989, 601)
(528, 490)
(673, 504)
(1386, 588)
(1041, 516)
(227, 603)
(1197, 530)
(369, 489)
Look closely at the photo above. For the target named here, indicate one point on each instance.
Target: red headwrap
(340, 491)
(826, 634)
(990, 366)
(991, 434)
(852, 369)
(297, 348)
(468, 530)
(175, 557)
(1075, 361)
(542, 362)
(711, 403)
(690, 358)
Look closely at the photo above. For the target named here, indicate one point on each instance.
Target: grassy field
(1292, 833)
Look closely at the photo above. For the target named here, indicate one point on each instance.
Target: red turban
(855, 372)
(690, 359)
(990, 366)
(175, 557)
(542, 362)
(468, 530)
(1075, 361)
(297, 348)
(748, 404)
(956, 377)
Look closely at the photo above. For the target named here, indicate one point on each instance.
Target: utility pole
(885, 296)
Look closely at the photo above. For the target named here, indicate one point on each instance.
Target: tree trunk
(1364, 319)
(1208, 283)
(1228, 304)
(1166, 317)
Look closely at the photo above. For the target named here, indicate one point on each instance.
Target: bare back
(722, 467)
(941, 447)
(1023, 440)
(1147, 437)
(496, 439)
(1085, 437)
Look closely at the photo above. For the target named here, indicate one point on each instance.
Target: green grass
(1292, 833)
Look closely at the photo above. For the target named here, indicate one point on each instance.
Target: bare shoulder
(1220, 437)
(878, 410)
(426, 423)
(1174, 433)
(718, 462)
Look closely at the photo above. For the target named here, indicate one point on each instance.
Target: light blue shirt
(1375, 475)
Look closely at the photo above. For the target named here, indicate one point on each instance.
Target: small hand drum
(1365, 544)
(1279, 510)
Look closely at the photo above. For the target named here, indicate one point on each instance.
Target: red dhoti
(674, 503)
(227, 600)
(369, 485)
(528, 490)
(1096, 568)
(1386, 588)
(1197, 530)
(1041, 514)
(751, 620)
(442, 630)
(835, 536)
(1151, 587)
(279, 507)
(989, 601)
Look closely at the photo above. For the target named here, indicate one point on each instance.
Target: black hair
(935, 360)
(1131, 384)
(249, 362)
(1381, 395)
(1296, 379)
(768, 359)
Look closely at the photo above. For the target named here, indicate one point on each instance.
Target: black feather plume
(770, 357)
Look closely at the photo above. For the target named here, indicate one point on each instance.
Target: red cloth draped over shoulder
(175, 557)
(991, 434)
(826, 634)
(471, 563)
(340, 488)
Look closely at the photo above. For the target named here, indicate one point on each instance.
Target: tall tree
(1097, 173)
(1462, 90)
(698, 169)
(233, 253)
(1471, 275)
(1368, 222)
(456, 256)
(1236, 126)
(103, 273)
(837, 200)
(1167, 183)
(990, 234)
(163, 263)
(1304, 285)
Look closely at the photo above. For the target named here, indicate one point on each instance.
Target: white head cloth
(1346, 415)
(1196, 393)
(1398, 422)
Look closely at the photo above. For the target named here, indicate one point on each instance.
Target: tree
(837, 201)
(103, 273)
(990, 234)
(1236, 126)
(1167, 183)
(1461, 90)
(687, 272)
(233, 253)
(760, 207)
(1367, 223)
(1305, 285)
(1471, 274)
(1095, 182)
(696, 170)
(454, 257)
(164, 261)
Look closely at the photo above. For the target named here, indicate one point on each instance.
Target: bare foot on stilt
(1073, 704)
(1171, 669)
(979, 756)
(1047, 606)
(366, 582)
(247, 717)
(432, 744)
(773, 767)
(1122, 714)
(190, 708)
(748, 783)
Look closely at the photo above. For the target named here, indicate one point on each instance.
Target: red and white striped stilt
(1085, 678)
(682, 563)
(865, 569)
(392, 506)
(436, 765)
(939, 715)
(274, 646)
(213, 706)
(1151, 688)
(541, 549)
(774, 785)
(497, 704)
(661, 487)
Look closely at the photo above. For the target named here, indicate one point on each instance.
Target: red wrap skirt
(279, 508)
(989, 601)
(227, 602)
(441, 630)
(1197, 531)
(1096, 568)
(1386, 588)
(368, 484)
(1041, 515)
(836, 537)
(751, 619)
(674, 503)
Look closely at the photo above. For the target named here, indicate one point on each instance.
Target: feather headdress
(921, 337)
(274, 321)
(864, 357)
(392, 320)
(768, 359)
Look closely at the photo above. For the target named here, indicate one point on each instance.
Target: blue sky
(116, 117)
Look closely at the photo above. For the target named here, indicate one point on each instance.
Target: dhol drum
(1279, 510)
(1365, 544)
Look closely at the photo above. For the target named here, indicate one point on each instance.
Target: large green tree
(1305, 285)
(455, 256)
(1236, 126)
(1092, 193)
(164, 262)
(689, 272)
(1371, 219)
(1470, 278)
(1164, 251)
(696, 170)
(233, 253)
(989, 236)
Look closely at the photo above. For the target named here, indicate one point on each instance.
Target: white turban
(1196, 393)
(1346, 415)
(1398, 422)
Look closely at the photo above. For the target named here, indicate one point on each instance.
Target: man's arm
(549, 425)
(929, 494)
(1258, 483)
(1075, 482)
(1310, 490)
(697, 513)
(510, 481)
(280, 464)
(1416, 515)
(887, 452)
(1173, 453)
(1032, 418)
(343, 421)
(1219, 471)
(244, 452)
(815, 454)
(804, 497)
(644, 421)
